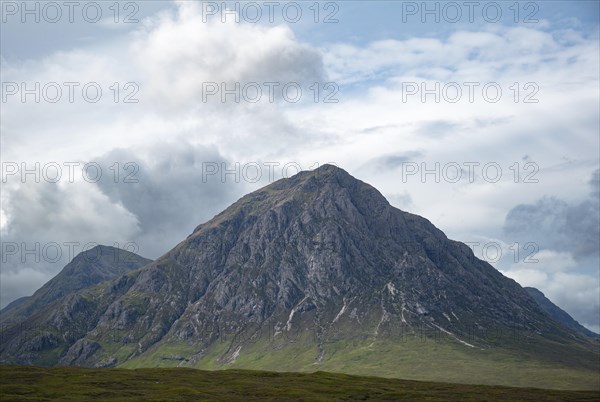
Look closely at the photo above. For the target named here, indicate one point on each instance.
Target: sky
(130, 123)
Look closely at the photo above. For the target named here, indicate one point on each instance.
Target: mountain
(88, 268)
(314, 272)
(557, 313)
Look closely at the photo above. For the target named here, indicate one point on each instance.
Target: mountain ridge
(557, 313)
(317, 271)
(87, 268)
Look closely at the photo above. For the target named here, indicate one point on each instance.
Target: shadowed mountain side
(558, 314)
(88, 268)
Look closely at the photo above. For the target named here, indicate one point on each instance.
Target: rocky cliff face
(96, 265)
(301, 269)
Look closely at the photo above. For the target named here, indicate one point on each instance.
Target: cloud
(167, 136)
(47, 212)
(437, 128)
(577, 294)
(174, 190)
(23, 282)
(566, 267)
(48, 223)
(463, 53)
(165, 62)
(389, 162)
(529, 277)
(559, 225)
(177, 53)
(148, 199)
(551, 261)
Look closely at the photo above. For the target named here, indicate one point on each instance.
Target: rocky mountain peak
(90, 267)
(320, 255)
(326, 190)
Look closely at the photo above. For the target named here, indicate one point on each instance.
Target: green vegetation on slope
(29, 383)
(411, 358)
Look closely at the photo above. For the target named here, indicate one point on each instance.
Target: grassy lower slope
(414, 359)
(29, 383)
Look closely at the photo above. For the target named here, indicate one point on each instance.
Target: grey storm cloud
(556, 224)
(567, 231)
(48, 225)
(169, 196)
(173, 192)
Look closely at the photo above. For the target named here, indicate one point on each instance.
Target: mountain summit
(93, 266)
(314, 272)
